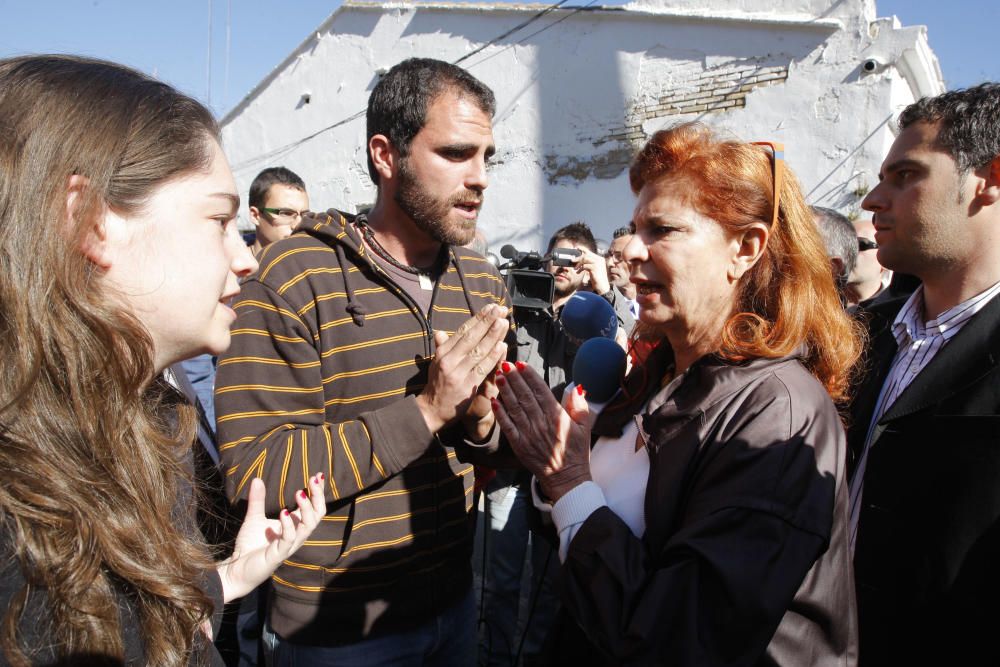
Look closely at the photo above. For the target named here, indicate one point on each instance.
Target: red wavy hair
(788, 299)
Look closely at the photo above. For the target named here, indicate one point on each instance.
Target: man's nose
(477, 179)
(874, 200)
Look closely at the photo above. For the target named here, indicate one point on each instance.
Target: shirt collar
(909, 324)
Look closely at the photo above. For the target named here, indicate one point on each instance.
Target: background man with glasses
(277, 201)
(618, 271)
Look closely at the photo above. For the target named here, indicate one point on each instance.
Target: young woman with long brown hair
(118, 253)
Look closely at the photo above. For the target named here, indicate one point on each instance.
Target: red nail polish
(285, 512)
(506, 367)
(521, 365)
(579, 389)
(321, 477)
(494, 404)
(500, 380)
(302, 495)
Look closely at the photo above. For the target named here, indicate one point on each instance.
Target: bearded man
(341, 362)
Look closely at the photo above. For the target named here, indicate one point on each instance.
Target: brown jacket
(745, 557)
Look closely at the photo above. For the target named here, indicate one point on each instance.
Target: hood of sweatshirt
(341, 232)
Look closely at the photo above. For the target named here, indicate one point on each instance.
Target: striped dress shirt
(917, 343)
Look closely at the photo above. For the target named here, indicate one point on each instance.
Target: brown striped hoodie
(327, 356)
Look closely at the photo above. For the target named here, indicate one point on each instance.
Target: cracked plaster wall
(576, 100)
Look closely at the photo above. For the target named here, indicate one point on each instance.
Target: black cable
(576, 10)
(298, 142)
(511, 31)
(534, 601)
(482, 572)
(482, 595)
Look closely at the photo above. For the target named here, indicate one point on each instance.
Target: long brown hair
(788, 299)
(90, 468)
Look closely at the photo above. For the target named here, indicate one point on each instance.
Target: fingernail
(506, 367)
(302, 495)
(321, 477)
(500, 380)
(285, 512)
(580, 390)
(520, 365)
(494, 404)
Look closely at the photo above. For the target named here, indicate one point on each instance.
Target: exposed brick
(685, 103)
(772, 76)
(734, 76)
(685, 96)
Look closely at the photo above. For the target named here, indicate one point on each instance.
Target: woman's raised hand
(552, 441)
(262, 543)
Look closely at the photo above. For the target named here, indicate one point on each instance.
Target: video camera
(531, 287)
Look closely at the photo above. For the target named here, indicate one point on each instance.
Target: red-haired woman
(707, 526)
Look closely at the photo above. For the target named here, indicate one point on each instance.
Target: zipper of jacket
(413, 305)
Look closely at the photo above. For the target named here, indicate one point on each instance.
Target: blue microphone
(587, 315)
(599, 366)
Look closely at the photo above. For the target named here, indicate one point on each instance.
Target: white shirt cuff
(573, 509)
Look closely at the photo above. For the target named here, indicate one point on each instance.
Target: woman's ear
(752, 242)
(93, 238)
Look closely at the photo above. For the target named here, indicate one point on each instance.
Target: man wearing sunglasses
(869, 279)
(277, 201)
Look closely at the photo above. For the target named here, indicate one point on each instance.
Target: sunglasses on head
(777, 174)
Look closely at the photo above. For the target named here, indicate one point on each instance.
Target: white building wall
(582, 90)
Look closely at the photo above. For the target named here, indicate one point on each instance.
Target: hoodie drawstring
(354, 307)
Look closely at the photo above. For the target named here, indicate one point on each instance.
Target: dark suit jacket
(927, 558)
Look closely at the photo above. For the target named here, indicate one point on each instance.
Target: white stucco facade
(579, 89)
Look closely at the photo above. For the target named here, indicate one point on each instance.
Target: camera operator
(543, 345)
(541, 342)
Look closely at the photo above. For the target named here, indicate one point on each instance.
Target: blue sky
(171, 39)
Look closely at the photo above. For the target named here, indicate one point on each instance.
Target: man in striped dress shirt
(341, 361)
(924, 432)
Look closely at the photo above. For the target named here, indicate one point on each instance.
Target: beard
(430, 213)
(566, 289)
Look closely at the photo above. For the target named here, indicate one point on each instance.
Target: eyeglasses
(777, 174)
(866, 244)
(614, 255)
(284, 214)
